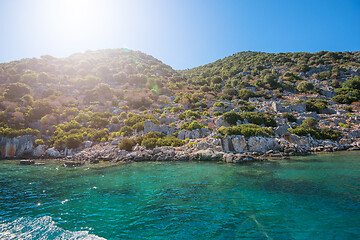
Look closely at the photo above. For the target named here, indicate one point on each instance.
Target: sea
(312, 197)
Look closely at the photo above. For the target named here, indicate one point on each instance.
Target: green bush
(126, 131)
(316, 105)
(127, 144)
(192, 125)
(149, 143)
(177, 109)
(217, 113)
(170, 141)
(245, 94)
(9, 132)
(323, 133)
(73, 140)
(305, 86)
(290, 117)
(260, 118)
(219, 104)
(123, 115)
(232, 117)
(39, 142)
(247, 130)
(114, 120)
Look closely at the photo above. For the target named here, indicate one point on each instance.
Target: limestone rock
(39, 151)
(221, 122)
(281, 131)
(52, 153)
(88, 144)
(17, 147)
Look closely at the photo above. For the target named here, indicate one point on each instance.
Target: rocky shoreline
(232, 149)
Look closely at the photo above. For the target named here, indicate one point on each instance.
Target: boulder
(262, 144)
(52, 153)
(221, 122)
(39, 151)
(281, 131)
(328, 111)
(88, 144)
(204, 145)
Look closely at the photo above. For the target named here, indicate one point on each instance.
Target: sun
(76, 19)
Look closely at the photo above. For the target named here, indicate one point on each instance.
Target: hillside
(129, 98)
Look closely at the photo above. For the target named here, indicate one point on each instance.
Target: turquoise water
(314, 197)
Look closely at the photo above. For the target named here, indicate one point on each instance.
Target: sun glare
(76, 19)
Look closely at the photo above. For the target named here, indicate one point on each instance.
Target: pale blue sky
(182, 34)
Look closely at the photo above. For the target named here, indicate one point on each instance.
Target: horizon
(182, 35)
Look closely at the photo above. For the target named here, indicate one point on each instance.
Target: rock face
(39, 151)
(221, 122)
(52, 153)
(193, 134)
(299, 107)
(16, 147)
(151, 127)
(238, 143)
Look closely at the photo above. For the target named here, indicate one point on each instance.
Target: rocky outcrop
(151, 127)
(299, 107)
(238, 143)
(39, 151)
(52, 153)
(220, 122)
(193, 134)
(17, 147)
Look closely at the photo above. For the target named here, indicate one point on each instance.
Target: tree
(305, 86)
(16, 90)
(309, 123)
(353, 83)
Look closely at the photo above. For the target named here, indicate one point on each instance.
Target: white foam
(43, 228)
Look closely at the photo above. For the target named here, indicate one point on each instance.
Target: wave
(43, 228)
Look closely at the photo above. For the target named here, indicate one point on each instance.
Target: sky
(183, 33)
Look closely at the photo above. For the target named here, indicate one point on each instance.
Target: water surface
(314, 197)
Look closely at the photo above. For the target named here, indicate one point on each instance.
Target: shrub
(289, 117)
(316, 105)
(74, 140)
(247, 130)
(192, 125)
(245, 94)
(192, 144)
(9, 132)
(348, 108)
(177, 109)
(39, 142)
(149, 143)
(217, 113)
(126, 131)
(219, 104)
(127, 144)
(232, 117)
(16, 90)
(170, 141)
(123, 115)
(114, 120)
(309, 123)
(260, 118)
(305, 86)
(344, 125)
(324, 133)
